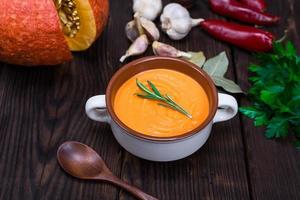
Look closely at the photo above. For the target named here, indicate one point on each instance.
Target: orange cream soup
(148, 118)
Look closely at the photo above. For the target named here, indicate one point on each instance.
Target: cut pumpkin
(32, 33)
(87, 33)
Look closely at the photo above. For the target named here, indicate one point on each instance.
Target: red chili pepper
(259, 5)
(238, 11)
(245, 37)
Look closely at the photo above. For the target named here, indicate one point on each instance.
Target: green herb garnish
(275, 92)
(165, 100)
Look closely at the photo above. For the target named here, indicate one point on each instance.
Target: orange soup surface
(147, 117)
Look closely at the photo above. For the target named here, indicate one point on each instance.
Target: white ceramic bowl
(222, 107)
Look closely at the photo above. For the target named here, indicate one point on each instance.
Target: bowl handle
(227, 108)
(95, 108)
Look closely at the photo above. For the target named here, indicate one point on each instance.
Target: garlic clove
(138, 24)
(150, 29)
(162, 49)
(131, 31)
(139, 46)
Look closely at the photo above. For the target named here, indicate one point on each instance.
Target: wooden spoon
(81, 161)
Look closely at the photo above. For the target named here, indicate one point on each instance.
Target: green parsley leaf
(275, 92)
(277, 127)
(260, 118)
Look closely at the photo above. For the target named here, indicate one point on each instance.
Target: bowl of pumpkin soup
(161, 108)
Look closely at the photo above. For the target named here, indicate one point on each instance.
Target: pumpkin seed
(63, 17)
(67, 10)
(67, 30)
(70, 4)
(69, 24)
(68, 15)
(70, 18)
(58, 4)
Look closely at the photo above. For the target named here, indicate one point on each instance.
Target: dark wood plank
(216, 171)
(21, 147)
(41, 109)
(273, 166)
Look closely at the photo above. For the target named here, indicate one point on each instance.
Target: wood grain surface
(40, 108)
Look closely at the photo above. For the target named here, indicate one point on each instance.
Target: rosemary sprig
(165, 100)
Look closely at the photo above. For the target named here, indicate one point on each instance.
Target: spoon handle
(133, 190)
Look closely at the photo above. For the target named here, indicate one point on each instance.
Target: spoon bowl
(81, 161)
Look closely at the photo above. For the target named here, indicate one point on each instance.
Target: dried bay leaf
(198, 58)
(217, 66)
(227, 84)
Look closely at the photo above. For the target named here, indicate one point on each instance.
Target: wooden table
(43, 107)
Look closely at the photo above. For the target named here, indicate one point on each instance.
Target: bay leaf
(198, 58)
(217, 66)
(227, 84)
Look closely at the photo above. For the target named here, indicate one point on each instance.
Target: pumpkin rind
(101, 10)
(30, 33)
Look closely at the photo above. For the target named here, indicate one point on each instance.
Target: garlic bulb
(176, 21)
(148, 9)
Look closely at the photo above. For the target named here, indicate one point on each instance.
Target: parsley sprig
(275, 92)
(164, 100)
